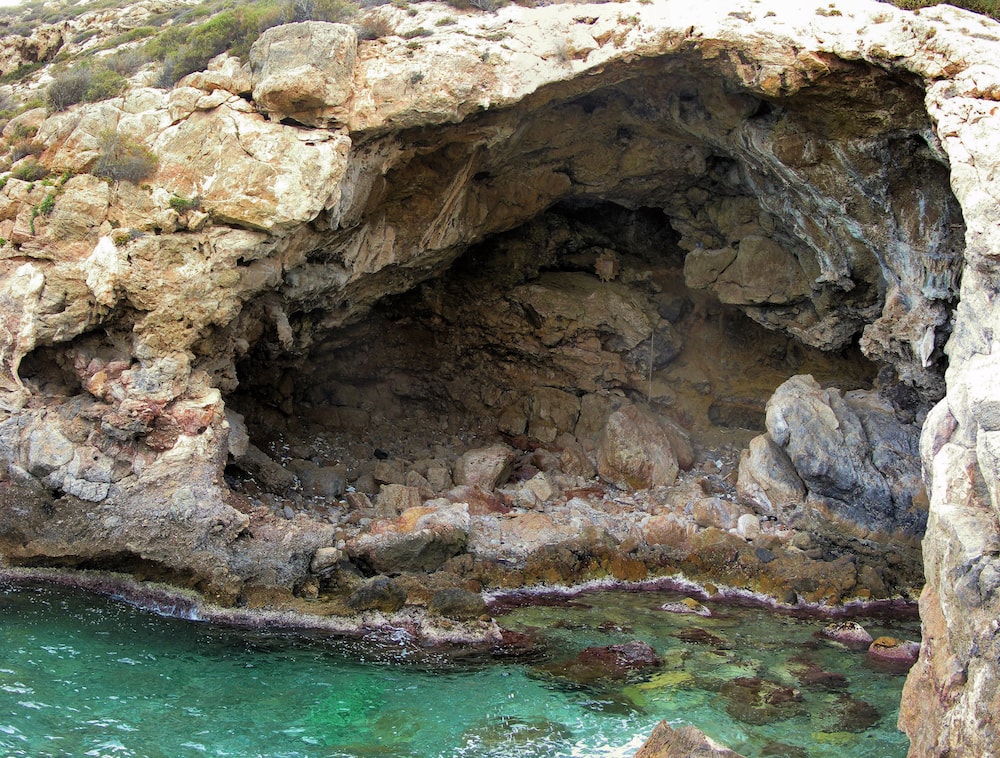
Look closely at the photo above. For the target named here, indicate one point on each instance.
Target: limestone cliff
(342, 231)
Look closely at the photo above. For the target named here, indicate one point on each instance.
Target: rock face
(341, 235)
(837, 463)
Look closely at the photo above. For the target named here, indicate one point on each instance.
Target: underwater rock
(760, 701)
(811, 674)
(687, 606)
(611, 662)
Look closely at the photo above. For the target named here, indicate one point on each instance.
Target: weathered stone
(635, 452)
(325, 558)
(856, 460)
(393, 499)
(889, 651)
(849, 633)
(457, 604)
(378, 594)
(763, 272)
(686, 742)
(304, 71)
(421, 539)
(717, 512)
(767, 479)
(485, 467)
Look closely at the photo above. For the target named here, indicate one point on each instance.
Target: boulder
(457, 604)
(858, 463)
(378, 594)
(393, 499)
(848, 633)
(421, 539)
(486, 467)
(635, 452)
(304, 71)
(893, 653)
(685, 742)
(767, 480)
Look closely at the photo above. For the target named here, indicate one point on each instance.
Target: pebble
(288, 512)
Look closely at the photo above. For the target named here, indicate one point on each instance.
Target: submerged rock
(612, 662)
(760, 701)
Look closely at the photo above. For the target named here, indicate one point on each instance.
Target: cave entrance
(531, 337)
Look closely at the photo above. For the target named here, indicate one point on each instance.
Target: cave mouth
(531, 337)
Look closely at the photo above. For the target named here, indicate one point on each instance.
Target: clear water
(81, 675)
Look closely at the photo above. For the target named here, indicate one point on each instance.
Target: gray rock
(767, 480)
(379, 594)
(457, 604)
(855, 459)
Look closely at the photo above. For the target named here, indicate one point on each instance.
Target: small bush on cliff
(989, 8)
(334, 11)
(84, 84)
(30, 170)
(184, 49)
(123, 159)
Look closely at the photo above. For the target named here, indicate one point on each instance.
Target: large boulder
(636, 451)
(858, 464)
(304, 71)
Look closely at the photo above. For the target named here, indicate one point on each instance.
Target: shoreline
(413, 624)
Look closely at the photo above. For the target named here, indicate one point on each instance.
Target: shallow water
(82, 675)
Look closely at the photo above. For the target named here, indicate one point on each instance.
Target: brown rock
(485, 467)
(635, 452)
(687, 742)
(393, 499)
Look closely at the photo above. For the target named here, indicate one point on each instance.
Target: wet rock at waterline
(687, 742)
(441, 262)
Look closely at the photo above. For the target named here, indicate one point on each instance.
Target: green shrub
(84, 84)
(123, 159)
(45, 207)
(29, 170)
(334, 11)
(418, 32)
(183, 205)
(185, 50)
(19, 148)
(989, 8)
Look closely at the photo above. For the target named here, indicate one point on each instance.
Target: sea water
(84, 675)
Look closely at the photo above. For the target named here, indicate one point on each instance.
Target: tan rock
(304, 71)
(635, 452)
(485, 467)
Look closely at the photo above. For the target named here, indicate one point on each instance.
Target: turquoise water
(82, 675)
